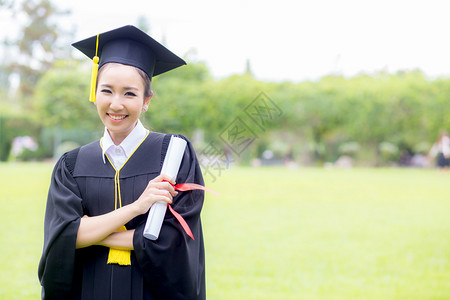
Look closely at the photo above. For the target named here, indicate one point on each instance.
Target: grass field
(280, 234)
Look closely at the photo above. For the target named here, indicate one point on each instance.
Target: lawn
(281, 234)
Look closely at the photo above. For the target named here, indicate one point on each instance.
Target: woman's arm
(93, 230)
(185, 274)
(96, 230)
(119, 240)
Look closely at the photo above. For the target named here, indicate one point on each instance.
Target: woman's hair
(147, 82)
(144, 76)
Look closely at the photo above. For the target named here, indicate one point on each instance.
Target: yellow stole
(120, 256)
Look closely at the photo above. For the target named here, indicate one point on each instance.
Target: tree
(61, 102)
(36, 44)
(177, 98)
(61, 97)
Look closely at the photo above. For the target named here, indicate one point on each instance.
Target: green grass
(281, 234)
(22, 204)
(329, 234)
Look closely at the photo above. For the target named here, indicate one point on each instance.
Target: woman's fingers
(160, 183)
(163, 177)
(150, 196)
(162, 186)
(160, 193)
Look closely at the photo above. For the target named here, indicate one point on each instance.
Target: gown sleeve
(62, 219)
(173, 266)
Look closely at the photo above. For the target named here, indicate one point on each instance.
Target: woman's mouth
(116, 117)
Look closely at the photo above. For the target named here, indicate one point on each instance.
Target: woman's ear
(147, 101)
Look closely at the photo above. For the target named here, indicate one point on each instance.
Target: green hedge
(12, 126)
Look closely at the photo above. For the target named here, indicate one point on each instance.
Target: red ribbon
(182, 222)
(182, 187)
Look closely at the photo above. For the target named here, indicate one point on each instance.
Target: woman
(100, 193)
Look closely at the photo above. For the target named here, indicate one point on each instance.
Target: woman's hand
(159, 189)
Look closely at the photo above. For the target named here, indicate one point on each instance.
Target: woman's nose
(116, 102)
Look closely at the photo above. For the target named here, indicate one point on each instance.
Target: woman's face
(120, 99)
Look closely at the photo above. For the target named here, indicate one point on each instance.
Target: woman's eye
(130, 94)
(106, 91)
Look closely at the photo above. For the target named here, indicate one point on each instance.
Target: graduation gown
(172, 267)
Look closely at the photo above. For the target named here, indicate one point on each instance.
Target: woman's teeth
(117, 117)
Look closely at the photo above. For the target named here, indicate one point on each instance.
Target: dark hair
(144, 76)
(147, 82)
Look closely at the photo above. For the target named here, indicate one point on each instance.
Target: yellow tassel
(94, 74)
(119, 256)
(94, 79)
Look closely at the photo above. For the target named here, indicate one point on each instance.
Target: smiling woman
(100, 194)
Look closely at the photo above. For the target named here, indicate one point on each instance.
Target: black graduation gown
(172, 267)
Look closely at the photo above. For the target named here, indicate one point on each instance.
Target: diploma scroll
(170, 167)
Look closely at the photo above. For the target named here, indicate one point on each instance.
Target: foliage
(61, 97)
(12, 126)
(63, 107)
(319, 119)
(175, 106)
(36, 46)
(404, 109)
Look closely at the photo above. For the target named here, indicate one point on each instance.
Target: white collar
(129, 144)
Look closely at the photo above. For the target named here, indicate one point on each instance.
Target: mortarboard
(128, 45)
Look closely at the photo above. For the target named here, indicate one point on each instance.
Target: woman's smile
(116, 117)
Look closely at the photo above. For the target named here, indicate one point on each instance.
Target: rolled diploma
(170, 167)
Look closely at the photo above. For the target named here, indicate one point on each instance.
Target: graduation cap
(128, 45)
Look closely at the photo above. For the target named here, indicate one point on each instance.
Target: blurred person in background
(441, 150)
